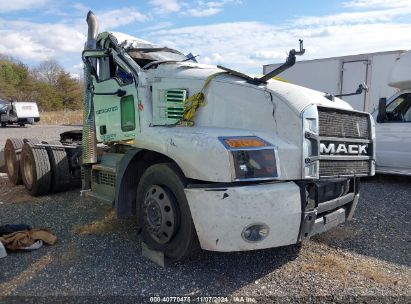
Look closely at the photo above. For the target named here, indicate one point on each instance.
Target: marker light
(245, 142)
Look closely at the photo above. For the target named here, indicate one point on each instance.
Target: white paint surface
(400, 76)
(26, 109)
(393, 143)
(220, 219)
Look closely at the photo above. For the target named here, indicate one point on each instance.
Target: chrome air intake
(89, 141)
(343, 124)
(337, 143)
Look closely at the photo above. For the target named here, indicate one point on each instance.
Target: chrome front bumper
(320, 215)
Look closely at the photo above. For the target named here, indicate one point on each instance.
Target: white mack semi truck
(203, 156)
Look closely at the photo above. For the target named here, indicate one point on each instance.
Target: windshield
(143, 56)
(399, 109)
(3, 108)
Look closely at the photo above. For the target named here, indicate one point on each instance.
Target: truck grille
(344, 167)
(344, 124)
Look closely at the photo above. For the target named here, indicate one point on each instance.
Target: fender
(126, 184)
(128, 172)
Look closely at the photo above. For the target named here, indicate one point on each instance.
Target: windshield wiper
(238, 74)
(288, 63)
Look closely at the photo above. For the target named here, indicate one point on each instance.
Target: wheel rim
(28, 170)
(160, 213)
(10, 163)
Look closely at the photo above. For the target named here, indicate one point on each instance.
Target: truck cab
(393, 122)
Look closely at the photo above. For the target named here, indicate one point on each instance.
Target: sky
(239, 34)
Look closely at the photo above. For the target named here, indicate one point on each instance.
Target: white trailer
(20, 113)
(342, 75)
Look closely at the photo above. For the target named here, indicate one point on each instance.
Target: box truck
(385, 74)
(203, 156)
(343, 75)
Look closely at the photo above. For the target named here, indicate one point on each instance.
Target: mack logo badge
(350, 149)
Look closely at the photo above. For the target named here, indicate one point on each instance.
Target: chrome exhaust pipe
(92, 31)
(89, 141)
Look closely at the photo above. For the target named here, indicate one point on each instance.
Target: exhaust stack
(92, 31)
(89, 141)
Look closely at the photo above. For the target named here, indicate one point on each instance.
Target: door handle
(119, 93)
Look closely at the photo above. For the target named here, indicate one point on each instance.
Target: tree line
(47, 84)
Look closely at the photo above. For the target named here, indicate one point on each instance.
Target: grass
(63, 117)
(339, 267)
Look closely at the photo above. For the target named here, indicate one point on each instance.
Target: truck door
(393, 136)
(353, 74)
(115, 101)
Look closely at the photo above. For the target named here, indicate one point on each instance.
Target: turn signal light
(245, 142)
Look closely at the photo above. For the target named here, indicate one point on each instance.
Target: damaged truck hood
(296, 97)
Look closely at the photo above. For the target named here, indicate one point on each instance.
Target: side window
(119, 73)
(128, 121)
(399, 110)
(108, 68)
(123, 76)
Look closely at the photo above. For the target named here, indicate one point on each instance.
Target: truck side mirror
(382, 105)
(95, 53)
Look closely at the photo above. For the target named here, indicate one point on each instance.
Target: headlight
(252, 158)
(310, 163)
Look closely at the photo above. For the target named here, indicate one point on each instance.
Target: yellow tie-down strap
(192, 103)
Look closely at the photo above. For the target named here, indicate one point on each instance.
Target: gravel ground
(46, 132)
(99, 256)
(43, 132)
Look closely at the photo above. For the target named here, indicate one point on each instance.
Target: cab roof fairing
(125, 40)
(134, 45)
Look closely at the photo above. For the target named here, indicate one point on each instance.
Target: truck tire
(164, 214)
(33, 141)
(12, 151)
(60, 170)
(35, 169)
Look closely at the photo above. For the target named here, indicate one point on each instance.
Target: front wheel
(164, 214)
